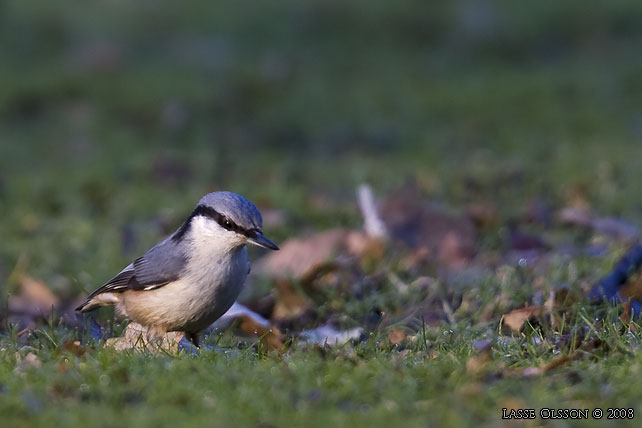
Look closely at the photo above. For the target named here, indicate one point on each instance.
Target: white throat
(208, 237)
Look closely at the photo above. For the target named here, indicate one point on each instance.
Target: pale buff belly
(190, 304)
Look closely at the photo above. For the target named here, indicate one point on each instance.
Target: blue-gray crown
(238, 210)
(232, 212)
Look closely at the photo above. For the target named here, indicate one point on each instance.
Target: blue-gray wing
(161, 265)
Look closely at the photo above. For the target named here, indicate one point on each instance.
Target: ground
(115, 118)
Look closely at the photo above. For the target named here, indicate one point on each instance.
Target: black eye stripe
(223, 221)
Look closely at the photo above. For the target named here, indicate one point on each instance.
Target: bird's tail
(98, 300)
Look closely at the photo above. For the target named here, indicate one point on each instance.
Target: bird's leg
(156, 337)
(193, 337)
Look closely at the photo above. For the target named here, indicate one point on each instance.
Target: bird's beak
(262, 241)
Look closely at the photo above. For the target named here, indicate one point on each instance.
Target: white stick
(372, 223)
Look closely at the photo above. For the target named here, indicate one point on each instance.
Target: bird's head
(228, 218)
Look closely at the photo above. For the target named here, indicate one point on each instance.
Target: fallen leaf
(361, 245)
(478, 363)
(516, 318)
(576, 196)
(559, 361)
(35, 298)
(308, 280)
(298, 256)
(455, 250)
(396, 336)
(37, 292)
(415, 258)
(627, 312)
(632, 289)
(270, 337)
(30, 361)
(448, 238)
(75, 347)
(289, 304)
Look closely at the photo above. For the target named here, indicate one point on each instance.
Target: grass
(369, 383)
(115, 118)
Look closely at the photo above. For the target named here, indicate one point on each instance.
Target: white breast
(213, 277)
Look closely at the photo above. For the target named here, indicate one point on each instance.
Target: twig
(372, 223)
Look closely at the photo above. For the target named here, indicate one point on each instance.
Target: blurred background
(116, 116)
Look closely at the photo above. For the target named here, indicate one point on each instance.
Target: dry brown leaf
(478, 363)
(556, 362)
(37, 292)
(516, 318)
(632, 290)
(414, 258)
(396, 336)
(579, 353)
(35, 298)
(308, 281)
(626, 315)
(30, 361)
(558, 301)
(409, 219)
(298, 256)
(270, 336)
(361, 245)
(455, 250)
(576, 196)
(289, 304)
(75, 347)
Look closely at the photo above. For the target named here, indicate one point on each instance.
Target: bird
(191, 278)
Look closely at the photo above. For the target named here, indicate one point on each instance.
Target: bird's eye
(227, 224)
